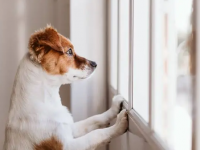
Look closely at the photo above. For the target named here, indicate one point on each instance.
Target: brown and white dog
(37, 119)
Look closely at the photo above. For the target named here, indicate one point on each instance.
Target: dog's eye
(69, 52)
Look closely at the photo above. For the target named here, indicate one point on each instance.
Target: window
(152, 65)
(123, 47)
(172, 73)
(141, 49)
(113, 43)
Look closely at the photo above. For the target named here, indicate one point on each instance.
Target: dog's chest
(49, 111)
(32, 128)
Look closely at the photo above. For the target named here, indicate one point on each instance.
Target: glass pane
(173, 69)
(123, 47)
(113, 42)
(141, 59)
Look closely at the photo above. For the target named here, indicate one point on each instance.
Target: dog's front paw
(117, 104)
(121, 124)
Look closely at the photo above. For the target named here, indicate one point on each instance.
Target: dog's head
(57, 56)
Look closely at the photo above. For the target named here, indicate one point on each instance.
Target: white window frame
(196, 118)
(137, 125)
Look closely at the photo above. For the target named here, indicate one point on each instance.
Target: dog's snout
(93, 64)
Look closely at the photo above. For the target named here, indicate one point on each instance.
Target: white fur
(36, 113)
(76, 74)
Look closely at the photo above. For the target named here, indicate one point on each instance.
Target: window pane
(123, 47)
(113, 42)
(141, 59)
(173, 69)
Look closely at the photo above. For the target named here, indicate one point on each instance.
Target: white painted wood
(139, 129)
(124, 48)
(137, 125)
(196, 120)
(113, 40)
(131, 39)
(157, 65)
(133, 139)
(141, 57)
(128, 141)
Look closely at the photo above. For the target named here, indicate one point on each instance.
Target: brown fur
(50, 144)
(48, 48)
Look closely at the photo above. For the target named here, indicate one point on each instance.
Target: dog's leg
(99, 121)
(99, 137)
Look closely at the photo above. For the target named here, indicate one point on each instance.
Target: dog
(37, 119)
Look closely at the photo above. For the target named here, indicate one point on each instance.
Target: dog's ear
(42, 41)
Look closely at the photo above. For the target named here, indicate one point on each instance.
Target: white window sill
(140, 128)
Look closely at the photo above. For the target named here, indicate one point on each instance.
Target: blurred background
(145, 51)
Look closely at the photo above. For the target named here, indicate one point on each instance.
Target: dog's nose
(93, 64)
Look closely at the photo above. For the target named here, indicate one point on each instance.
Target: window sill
(140, 128)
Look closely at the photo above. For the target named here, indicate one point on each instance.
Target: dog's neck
(33, 84)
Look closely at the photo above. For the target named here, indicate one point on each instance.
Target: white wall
(18, 19)
(88, 34)
(128, 141)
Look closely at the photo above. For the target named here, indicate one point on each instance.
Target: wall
(128, 141)
(18, 19)
(88, 34)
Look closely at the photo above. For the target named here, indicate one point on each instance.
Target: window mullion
(196, 118)
(131, 19)
(151, 16)
(118, 34)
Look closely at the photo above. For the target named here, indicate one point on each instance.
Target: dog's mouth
(82, 73)
(89, 74)
(79, 77)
